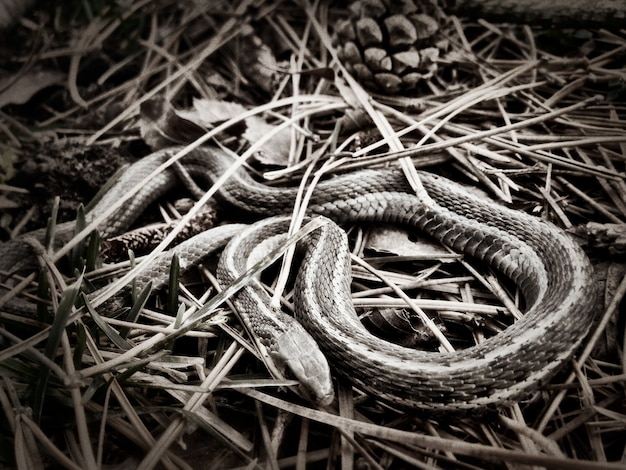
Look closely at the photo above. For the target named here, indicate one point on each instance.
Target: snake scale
(553, 274)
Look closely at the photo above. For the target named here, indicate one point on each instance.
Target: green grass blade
(135, 310)
(92, 255)
(172, 286)
(54, 339)
(43, 308)
(52, 223)
(110, 332)
(77, 251)
(79, 345)
(201, 314)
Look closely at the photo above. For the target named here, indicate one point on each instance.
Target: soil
(73, 172)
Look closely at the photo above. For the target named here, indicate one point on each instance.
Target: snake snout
(300, 354)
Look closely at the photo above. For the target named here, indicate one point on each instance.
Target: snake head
(298, 352)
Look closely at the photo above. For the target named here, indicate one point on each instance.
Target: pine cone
(390, 46)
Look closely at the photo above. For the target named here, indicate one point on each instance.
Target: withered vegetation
(530, 116)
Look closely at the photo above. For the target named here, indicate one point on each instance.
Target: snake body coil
(553, 274)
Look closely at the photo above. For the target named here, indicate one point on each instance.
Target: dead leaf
(276, 150)
(610, 237)
(608, 275)
(20, 88)
(209, 113)
(400, 326)
(390, 239)
(161, 125)
(257, 61)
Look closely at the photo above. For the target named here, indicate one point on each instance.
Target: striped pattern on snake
(554, 275)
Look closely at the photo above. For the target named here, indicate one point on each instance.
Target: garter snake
(554, 275)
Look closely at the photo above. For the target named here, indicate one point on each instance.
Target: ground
(528, 115)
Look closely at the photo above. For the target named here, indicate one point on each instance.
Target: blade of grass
(488, 453)
(51, 226)
(194, 318)
(76, 253)
(113, 335)
(138, 303)
(177, 425)
(54, 339)
(92, 254)
(172, 287)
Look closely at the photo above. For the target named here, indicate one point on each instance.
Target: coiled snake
(553, 274)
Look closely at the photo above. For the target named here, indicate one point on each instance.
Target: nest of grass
(534, 118)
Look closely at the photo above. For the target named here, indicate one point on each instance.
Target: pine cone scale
(390, 46)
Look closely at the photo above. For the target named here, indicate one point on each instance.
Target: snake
(551, 271)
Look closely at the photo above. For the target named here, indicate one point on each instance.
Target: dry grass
(535, 118)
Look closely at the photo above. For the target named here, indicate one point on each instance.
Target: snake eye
(298, 352)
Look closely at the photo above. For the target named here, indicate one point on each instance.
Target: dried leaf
(19, 88)
(209, 113)
(161, 125)
(609, 275)
(257, 61)
(276, 150)
(610, 237)
(398, 241)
